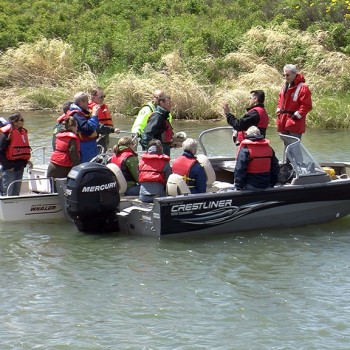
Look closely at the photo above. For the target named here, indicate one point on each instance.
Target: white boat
(37, 200)
(308, 193)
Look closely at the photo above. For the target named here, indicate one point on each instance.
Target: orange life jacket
(120, 159)
(19, 144)
(60, 156)
(103, 114)
(151, 167)
(182, 165)
(260, 154)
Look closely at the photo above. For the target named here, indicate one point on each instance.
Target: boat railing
(41, 185)
(223, 134)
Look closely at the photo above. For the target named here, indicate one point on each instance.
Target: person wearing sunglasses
(106, 127)
(294, 103)
(14, 154)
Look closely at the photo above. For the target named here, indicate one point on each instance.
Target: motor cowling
(92, 198)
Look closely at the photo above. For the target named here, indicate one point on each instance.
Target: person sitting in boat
(257, 167)
(66, 153)
(14, 154)
(126, 158)
(189, 168)
(256, 116)
(154, 170)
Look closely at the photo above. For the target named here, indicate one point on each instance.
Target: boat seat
(212, 184)
(176, 185)
(123, 186)
(309, 180)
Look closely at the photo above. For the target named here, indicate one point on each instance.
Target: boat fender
(176, 185)
(208, 168)
(123, 186)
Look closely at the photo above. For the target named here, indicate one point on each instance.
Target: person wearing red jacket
(15, 154)
(154, 171)
(97, 98)
(66, 152)
(294, 102)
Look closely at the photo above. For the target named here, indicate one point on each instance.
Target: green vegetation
(203, 52)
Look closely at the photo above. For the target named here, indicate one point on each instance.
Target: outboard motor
(92, 198)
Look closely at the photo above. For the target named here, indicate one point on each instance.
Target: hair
(93, 92)
(259, 94)
(15, 117)
(163, 96)
(253, 131)
(69, 122)
(80, 96)
(66, 106)
(291, 67)
(190, 145)
(156, 146)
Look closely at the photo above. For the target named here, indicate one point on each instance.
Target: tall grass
(43, 75)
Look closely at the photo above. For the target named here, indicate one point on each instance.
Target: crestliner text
(201, 205)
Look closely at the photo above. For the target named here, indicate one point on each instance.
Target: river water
(287, 289)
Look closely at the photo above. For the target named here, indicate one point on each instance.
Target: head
(66, 106)
(81, 99)
(253, 131)
(164, 101)
(256, 97)
(155, 147)
(289, 72)
(190, 145)
(156, 95)
(123, 141)
(97, 95)
(16, 120)
(70, 124)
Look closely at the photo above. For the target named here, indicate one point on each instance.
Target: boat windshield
(218, 142)
(303, 162)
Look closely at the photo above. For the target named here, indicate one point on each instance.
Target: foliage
(203, 52)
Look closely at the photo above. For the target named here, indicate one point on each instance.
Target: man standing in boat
(145, 112)
(158, 125)
(257, 167)
(14, 154)
(294, 102)
(256, 116)
(97, 98)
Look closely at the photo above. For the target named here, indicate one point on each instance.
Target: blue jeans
(9, 176)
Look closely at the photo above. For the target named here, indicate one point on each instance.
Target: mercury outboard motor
(92, 198)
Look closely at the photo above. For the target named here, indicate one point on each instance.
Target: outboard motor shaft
(92, 198)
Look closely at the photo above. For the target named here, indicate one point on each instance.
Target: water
(61, 289)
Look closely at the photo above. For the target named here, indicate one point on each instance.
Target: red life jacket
(167, 134)
(120, 160)
(19, 144)
(260, 154)
(182, 165)
(60, 156)
(103, 114)
(263, 122)
(151, 167)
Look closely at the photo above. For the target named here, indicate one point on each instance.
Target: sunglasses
(20, 120)
(101, 96)
(286, 75)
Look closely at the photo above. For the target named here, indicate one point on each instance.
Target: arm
(167, 171)
(6, 164)
(200, 179)
(275, 169)
(86, 126)
(132, 164)
(249, 119)
(241, 167)
(73, 152)
(305, 102)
